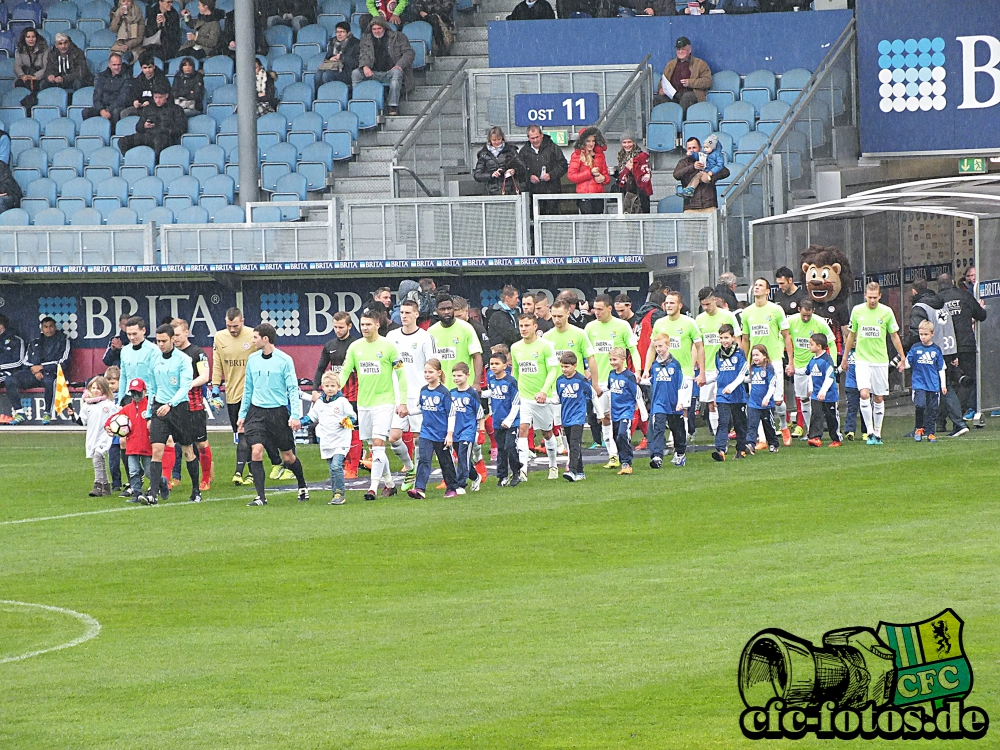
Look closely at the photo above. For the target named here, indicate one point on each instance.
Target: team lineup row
(417, 383)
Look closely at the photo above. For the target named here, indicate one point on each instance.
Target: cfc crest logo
(906, 681)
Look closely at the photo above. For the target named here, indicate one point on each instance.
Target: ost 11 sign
(556, 110)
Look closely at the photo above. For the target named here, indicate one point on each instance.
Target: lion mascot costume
(826, 275)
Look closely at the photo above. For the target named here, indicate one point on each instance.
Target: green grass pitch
(609, 614)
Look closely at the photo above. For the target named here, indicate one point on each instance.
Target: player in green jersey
(605, 333)
(708, 321)
(535, 368)
(801, 326)
(685, 347)
(764, 323)
(455, 341)
(872, 327)
(381, 393)
(568, 338)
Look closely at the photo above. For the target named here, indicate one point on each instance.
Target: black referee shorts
(177, 424)
(269, 426)
(199, 426)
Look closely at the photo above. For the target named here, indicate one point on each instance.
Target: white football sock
(878, 414)
(609, 440)
(783, 413)
(866, 412)
(551, 452)
(524, 453)
(806, 413)
(713, 421)
(380, 465)
(399, 448)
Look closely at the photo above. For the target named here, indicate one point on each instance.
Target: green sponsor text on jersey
(535, 367)
(606, 336)
(684, 333)
(801, 331)
(709, 326)
(871, 330)
(456, 343)
(763, 325)
(376, 364)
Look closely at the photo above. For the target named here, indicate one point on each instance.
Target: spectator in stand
(188, 91)
(725, 292)
(544, 164)
(498, 167)
(690, 77)
(267, 100)
(159, 126)
(588, 169)
(704, 199)
(440, 14)
(532, 10)
(294, 13)
(968, 282)
(502, 319)
(704, 6)
(203, 39)
(44, 357)
(651, 7)
(128, 22)
(789, 294)
(386, 56)
(29, 60)
(113, 353)
(163, 30)
(138, 94)
(388, 10)
(12, 352)
(342, 52)
(543, 313)
(633, 176)
(965, 311)
(66, 66)
(10, 191)
(108, 87)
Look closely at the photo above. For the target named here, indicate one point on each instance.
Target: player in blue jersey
(435, 406)
(505, 407)
(624, 390)
(731, 395)
(823, 373)
(271, 409)
(574, 393)
(466, 423)
(170, 376)
(666, 410)
(929, 379)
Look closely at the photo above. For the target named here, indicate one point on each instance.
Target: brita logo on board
(911, 75)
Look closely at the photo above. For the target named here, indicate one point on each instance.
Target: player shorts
(684, 392)
(605, 401)
(199, 425)
(234, 414)
(556, 414)
(707, 393)
(374, 422)
(872, 377)
(779, 376)
(803, 386)
(537, 415)
(412, 421)
(269, 425)
(177, 424)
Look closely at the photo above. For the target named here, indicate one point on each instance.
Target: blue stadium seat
(124, 127)
(140, 156)
(50, 217)
(90, 26)
(184, 186)
(314, 174)
(726, 80)
(219, 65)
(421, 38)
(287, 67)
(661, 137)
(668, 112)
(761, 79)
(78, 187)
(773, 111)
(266, 214)
(112, 193)
(721, 99)
(213, 204)
(343, 122)
(279, 35)
(756, 96)
(24, 134)
(28, 12)
(45, 114)
(87, 217)
(292, 183)
(15, 217)
(71, 158)
(233, 170)
(738, 119)
(295, 94)
(106, 157)
(223, 102)
(95, 132)
(54, 97)
(369, 91)
(34, 158)
(123, 217)
(229, 125)
(82, 98)
(32, 206)
(703, 112)
(271, 172)
(282, 152)
(672, 204)
(227, 215)
(750, 144)
(333, 91)
(201, 132)
(273, 122)
(320, 153)
(158, 215)
(327, 108)
(175, 161)
(147, 188)
(796, 78)
(193, 215)
(221, 185)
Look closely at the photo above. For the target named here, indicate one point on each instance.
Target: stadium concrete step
(450, 62)
(362, 187)
(471, 48)
(488, 10)
(422, 93)
(454, 107)
(391, 138)
(471, 34)
(369, 152)
(366, 169)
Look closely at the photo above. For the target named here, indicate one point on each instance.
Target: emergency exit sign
(972, 165)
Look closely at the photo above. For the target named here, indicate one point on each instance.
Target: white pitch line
(93, 628)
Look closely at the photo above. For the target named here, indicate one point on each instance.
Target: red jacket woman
(588, 169)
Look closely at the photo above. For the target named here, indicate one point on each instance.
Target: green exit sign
(972, 165)
(559, 137)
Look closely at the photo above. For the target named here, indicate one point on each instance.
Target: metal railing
(76, 246)
(492, 91)
(312, 236)
(629, 108)
(819, 129)
(418, 228)
(539, 201)
(430, 144)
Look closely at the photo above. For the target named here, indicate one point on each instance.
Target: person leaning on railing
(498, 166)
(545, 165)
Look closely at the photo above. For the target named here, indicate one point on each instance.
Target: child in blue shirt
(929, 379)
(624, 390)
(465, 421)
(731, 395)
(505, 407)
(823, 374)
(574, 393)
(666, 379)
(760, 407)
(435, 406)
(853, 396)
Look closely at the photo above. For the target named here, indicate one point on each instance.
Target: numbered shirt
(535, 367)
(414, 350)
(574, 340)
(435, 406)
(709, 326)
(801, 331)
(456, 343)
(376, 363)
(872, 328)
(606, 336)
(684, 334)
(763, 325)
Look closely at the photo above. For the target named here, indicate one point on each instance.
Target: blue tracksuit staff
(929, 373)
(435, 406)
(47, 353)
(12, 353)
(624, 390)
(574, 394)
(666, 380)
(113, 357)
(760, 406)
(136, 362)
(730, 399)
(505, 401)
(465, 413)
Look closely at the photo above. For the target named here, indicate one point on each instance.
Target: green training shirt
(801, 331)
(456, 343)
(378, 367)
(709, 326)
(684, 334)
(606, 336)
(535, 367)
(871, 330)
(763, 325)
